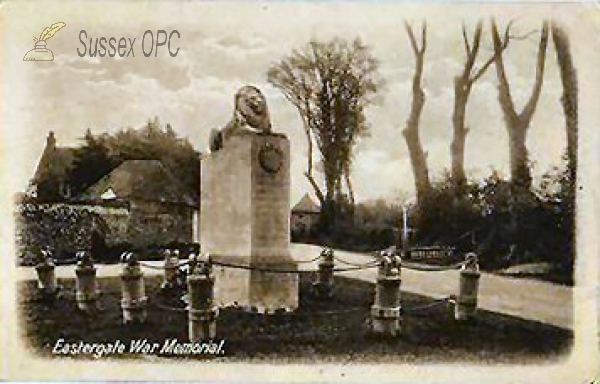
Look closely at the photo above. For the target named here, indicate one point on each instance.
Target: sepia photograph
(300, 191)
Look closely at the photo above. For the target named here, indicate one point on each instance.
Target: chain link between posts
(424, 307)
(352, 266)
(355, 266)
(150, 266)
(369, 264)
(273, 270)
(309, 261)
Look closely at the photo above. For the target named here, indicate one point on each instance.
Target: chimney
(51, 140)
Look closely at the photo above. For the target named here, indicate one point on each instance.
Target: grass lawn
(319, 331)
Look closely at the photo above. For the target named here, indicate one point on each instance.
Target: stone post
(202, 315)
(192, 262)
(386, 310)
(466, 300)
(86, 288)
(134, 300)
(323, 287)
(46, 276)
(171, 266)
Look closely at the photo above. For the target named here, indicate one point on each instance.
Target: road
(528, 299)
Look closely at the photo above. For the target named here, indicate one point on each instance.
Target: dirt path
(528, 299)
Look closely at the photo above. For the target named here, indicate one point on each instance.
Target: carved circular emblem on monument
(270, 158)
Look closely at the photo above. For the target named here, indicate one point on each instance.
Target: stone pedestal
(245, 220)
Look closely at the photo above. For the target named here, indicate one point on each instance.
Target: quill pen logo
(40, 52)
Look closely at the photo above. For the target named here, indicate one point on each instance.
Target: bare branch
(482, 70)
(504, 46)
(423, 37)
(477, 38)
(315, 186)
(505, 97)
(529, 108)
(466, 40)
(489, 62)
(507, 31)
(523, 37)
(472, 53)
(411, 36)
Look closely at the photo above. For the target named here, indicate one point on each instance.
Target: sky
(223, 47)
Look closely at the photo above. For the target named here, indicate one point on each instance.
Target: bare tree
(568, 75)
(463, 84)
(418, 157)
(517, 123)
(330, 84)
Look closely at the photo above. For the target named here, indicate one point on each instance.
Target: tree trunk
(568, 75)
(418, 158)
(350, 192)
(457, 148)
(462, 89)
(517, 124)
(327, 216)
(328, 207)
(519, 160)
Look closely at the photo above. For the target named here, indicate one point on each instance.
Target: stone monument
(245, 209)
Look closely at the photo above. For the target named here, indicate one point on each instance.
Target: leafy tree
(92, 162)
(155, 142)
(330, 84)
(100, 154)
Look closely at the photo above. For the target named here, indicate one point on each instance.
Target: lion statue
(250, 115)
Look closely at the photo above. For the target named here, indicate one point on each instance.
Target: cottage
(305, 216)
(160, 211)
(50, 181)
(140, 201)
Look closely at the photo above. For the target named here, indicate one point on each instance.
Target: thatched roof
(147, 180)
(55, 162)
(306, 205)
